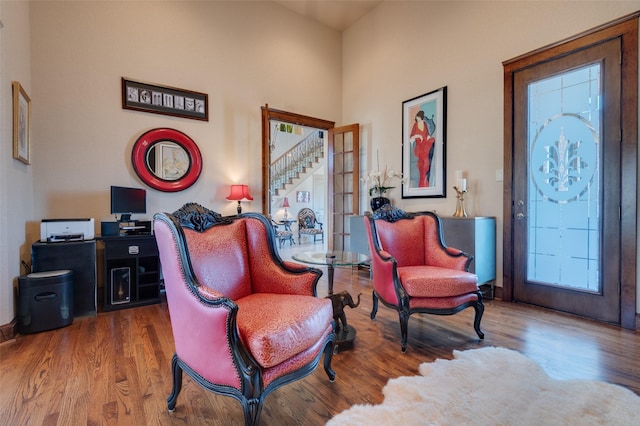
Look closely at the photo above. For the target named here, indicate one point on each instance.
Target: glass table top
(333, 257)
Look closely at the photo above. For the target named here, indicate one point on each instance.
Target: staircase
(296, 163)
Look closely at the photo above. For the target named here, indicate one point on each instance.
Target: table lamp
(285, 204)
(239, 193)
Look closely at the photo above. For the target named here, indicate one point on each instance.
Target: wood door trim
(625, 28)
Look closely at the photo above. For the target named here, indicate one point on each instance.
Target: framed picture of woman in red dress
(423, 145)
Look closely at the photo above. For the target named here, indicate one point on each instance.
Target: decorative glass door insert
(564, 199)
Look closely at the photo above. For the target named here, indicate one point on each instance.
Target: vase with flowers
(379, 183)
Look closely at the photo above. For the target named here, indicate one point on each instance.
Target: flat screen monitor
(126, 201)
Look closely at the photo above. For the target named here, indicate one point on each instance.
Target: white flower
(379, 182)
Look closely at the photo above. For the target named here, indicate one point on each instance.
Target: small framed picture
(303, 196)
(424, 120)
(21, 124)
(165, 100)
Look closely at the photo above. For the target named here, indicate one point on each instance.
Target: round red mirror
(166, 160)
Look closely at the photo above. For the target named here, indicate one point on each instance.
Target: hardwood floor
(115, 368)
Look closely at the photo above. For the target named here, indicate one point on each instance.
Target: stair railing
(296, 160)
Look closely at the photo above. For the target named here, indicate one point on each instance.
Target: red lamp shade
(285, 202)
(239, 193)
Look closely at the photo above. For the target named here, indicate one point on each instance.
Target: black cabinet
(131, 271)
(77, 256)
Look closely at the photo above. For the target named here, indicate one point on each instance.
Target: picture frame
(21, 124)
(174, 161)
(424, 164)
(155, 145)
(303, 197)
(153, 98)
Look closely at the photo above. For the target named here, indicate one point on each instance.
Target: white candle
(462, 184)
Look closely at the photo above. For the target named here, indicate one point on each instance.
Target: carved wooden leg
(479, 308)
(252, 409)
(404, 327)
(328, 356)
(177, 384)
(374, 310)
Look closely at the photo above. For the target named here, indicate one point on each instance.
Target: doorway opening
(294, 166)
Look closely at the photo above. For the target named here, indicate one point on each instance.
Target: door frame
(625, 28)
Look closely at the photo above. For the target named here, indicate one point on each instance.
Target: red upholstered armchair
(414, 272)
(244, 321)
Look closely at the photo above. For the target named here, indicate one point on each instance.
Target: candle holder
(460, 210)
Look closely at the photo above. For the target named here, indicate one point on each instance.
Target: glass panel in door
(564, 180)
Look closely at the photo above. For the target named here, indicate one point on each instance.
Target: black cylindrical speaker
(45, 301)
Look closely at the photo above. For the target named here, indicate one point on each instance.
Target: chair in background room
(309, 225)
(414, 272)
(244, 321)
(283, 232)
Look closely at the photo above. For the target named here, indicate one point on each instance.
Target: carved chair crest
(391, 213)
(199, 218)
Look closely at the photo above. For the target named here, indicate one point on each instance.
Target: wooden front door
(568, 117)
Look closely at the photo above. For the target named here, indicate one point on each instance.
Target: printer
(64, 230)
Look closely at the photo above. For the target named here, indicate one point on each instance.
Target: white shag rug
(494, 386)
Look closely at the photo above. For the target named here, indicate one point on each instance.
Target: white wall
(16, 178)
(243, 54)
(460, 45)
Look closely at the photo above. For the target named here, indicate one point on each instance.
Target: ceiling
(337, 14)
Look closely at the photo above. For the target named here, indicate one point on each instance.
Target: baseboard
(497, 293)
(490, 292)
(8, 331)
(486, 292)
